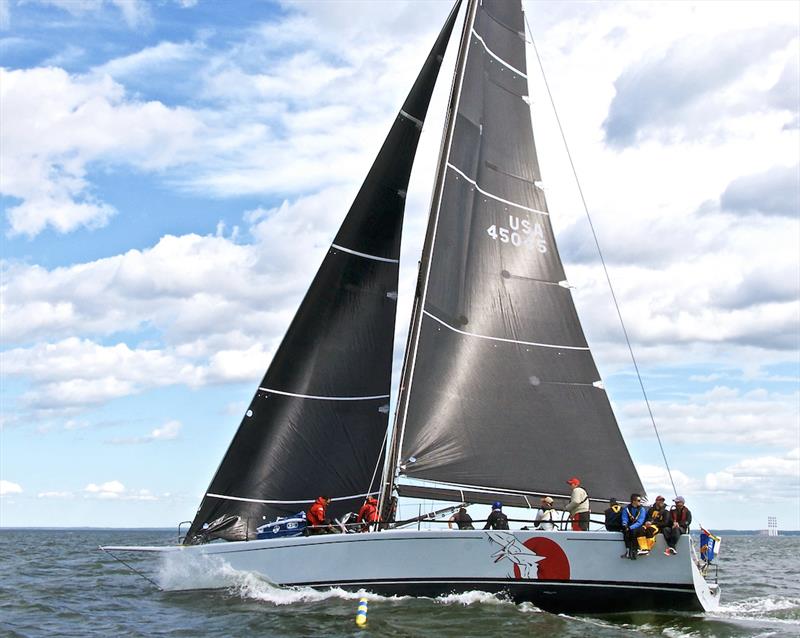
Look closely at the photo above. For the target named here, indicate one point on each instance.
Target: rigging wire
(600, 253)
(133, 569)
(381, 455)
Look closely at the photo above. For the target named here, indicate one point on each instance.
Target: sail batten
(496, 197)
(302, 501)
(321, 398)
(501, 339)
(365, 255)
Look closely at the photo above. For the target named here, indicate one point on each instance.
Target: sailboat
(497, 380)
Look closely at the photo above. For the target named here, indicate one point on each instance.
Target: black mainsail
(318, 421)
(500, 396)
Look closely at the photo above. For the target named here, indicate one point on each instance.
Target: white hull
(557, 571)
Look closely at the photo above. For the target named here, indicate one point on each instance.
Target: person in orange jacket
(368, 513)
(317, 516)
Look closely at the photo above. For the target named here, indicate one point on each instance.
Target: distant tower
(772, 525)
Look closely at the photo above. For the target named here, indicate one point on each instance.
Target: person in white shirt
(544, 517)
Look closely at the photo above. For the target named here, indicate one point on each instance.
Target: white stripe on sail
(503, 339)
(408, 116)
(365, 255)
(266, 502)
(501, 491)
(488, 194)
(313, 396)
(497, 57)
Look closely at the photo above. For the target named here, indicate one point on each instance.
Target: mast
(393, 457)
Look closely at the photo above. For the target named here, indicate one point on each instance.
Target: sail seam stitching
(266, 502)
(408, 116)
(503, 339)
(488, 194)
(497, 57)
(313, 396)
(365, 255)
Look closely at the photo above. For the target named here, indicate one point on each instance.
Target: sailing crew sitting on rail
(316, 516)
(658, 516)
(633, 516)
(368, 513)
(613, 516)
(578, 506)
(496, 520)
(544, 517)
(678, 523)
(460, 518)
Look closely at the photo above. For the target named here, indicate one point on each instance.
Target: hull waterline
(556, 571)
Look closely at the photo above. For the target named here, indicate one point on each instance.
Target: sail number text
(520, 232)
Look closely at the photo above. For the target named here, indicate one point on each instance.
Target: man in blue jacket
(633, 516)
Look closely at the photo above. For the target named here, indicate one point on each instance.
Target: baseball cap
(574, 481)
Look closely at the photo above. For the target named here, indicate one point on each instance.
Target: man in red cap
(578, 506)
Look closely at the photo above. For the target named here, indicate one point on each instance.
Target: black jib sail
(500, 394)
(317, 423)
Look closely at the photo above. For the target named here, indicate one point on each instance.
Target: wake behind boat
(497, 374)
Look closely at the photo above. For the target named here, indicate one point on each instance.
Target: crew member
(368, 514)
(633, 516)
(658, 515)
(460, 518)
(496, 520)
(654, 522)
(317, 516)
(613, 516)
(678, 523)
(544, 517)
(578, 506)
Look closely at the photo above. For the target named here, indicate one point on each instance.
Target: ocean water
(57, 583)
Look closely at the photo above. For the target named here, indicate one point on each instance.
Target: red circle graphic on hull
(554, 564)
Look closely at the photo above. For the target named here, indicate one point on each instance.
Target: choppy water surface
(57, 583)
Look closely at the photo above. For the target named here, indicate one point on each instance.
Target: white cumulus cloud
(9, 487)
(167, 432)
(112, 490)
(61, 123)
(769, 476)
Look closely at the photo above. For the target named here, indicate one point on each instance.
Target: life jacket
(316, 513)
(464, 521)
(368, 512)
(679, 517)
(614, 518)
(498, 520)
(658, 517)
(633, 516)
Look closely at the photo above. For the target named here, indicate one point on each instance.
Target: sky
(172, 173)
